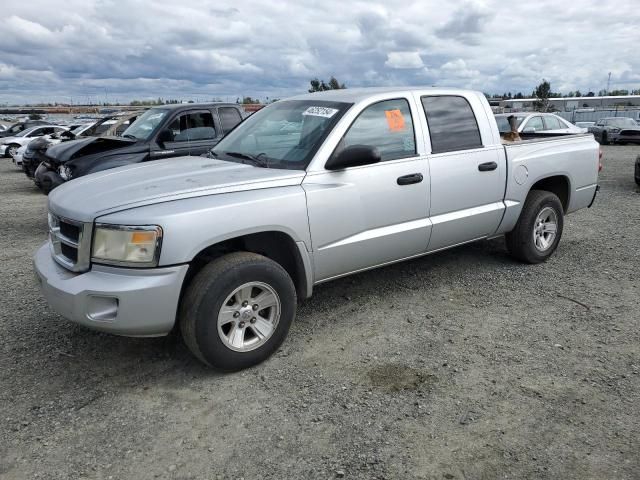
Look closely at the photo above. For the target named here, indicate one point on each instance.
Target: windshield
(16, 128)
(622, 122)
(503, 123)
(285, 134)
(145, 124)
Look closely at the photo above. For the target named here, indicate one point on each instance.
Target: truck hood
(86, 198)
(66, 151)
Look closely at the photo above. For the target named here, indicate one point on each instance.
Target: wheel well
(558, 185)
(277, 246)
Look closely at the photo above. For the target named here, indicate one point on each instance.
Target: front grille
(70, 231)
(630, 133)
(70, 242)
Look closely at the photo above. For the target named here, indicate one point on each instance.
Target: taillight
(600, 159)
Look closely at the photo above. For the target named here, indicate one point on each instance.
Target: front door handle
(487, 167)
(409, 179)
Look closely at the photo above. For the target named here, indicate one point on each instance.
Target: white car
(536, 122)
(9, 145)
(17, 158)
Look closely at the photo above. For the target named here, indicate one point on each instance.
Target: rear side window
(452, 124)
(386, 125)
(534, 124)
(552, 123)
(229, 118)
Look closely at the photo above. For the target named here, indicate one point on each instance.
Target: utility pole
(608, 83)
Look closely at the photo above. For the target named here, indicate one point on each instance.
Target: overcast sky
(118, 50)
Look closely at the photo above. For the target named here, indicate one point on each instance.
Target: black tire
(520, 241)
(205, 295)
(603, 139)
(9, 147)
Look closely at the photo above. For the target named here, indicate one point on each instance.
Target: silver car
(536, 122)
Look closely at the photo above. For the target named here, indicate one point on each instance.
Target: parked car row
(160, 132)
(52, 154)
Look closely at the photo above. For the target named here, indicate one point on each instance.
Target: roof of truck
(358, 94)
(175, 106)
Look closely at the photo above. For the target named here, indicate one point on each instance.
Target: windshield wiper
(128, 135)
(254, 159)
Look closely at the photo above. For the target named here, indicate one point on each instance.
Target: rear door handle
(487, 167)
(409, 179)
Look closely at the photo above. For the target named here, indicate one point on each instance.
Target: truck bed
(573, 159)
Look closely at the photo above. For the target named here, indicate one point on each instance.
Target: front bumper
(623, 138)
(122, 301)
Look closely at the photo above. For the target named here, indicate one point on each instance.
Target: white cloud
(404, 60)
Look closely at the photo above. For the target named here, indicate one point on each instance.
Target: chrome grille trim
(83, 245)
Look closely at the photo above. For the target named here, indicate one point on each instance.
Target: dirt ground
(460, 365)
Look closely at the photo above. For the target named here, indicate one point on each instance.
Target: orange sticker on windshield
(395, 120)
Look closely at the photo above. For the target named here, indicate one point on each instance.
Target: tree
(578, 93)
(321, 86)
(542, 94)
(35, 116)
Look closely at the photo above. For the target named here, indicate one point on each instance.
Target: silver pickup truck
(304, 191)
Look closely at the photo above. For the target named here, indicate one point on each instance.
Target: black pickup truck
(161, 132)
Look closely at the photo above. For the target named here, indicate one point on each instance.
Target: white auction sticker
(320, 112)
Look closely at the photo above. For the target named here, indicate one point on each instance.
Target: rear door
(369, 215)
(468, 171)
(229, 118)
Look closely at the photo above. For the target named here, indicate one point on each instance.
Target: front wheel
(237, 310)
(539, 228)
(12, 150)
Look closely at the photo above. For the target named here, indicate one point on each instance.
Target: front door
(192, 133)
(365, 216)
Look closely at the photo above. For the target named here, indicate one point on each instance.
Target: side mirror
(353, 156)
(165, 136)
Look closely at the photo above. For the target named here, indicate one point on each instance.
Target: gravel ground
(461, 365)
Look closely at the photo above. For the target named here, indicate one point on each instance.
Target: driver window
(386, 125)
(192, 127)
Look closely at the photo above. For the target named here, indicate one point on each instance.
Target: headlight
(131, 246)
(65, 172)
(614, 130)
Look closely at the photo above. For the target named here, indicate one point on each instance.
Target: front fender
(193, 224)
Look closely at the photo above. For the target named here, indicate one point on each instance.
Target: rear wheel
(237, 310)
(539, 228)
